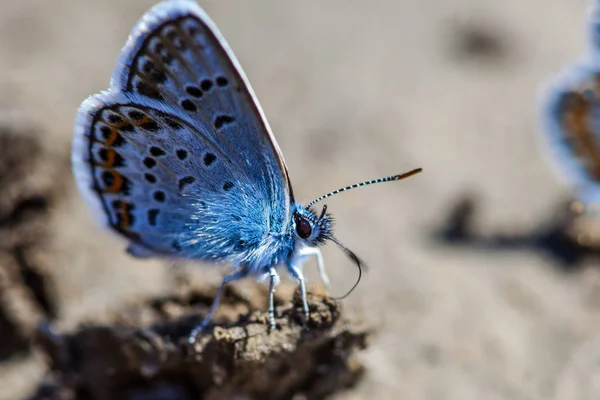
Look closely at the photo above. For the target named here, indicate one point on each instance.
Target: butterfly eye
(303, 227)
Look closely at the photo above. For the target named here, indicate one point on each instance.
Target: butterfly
(571, 119)
(177, 157)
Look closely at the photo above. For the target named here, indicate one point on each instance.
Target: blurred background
(475, 289)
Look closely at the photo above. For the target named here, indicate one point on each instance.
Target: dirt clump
(145, 354)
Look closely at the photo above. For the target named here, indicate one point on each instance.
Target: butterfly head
(314, 230)
(310, 227)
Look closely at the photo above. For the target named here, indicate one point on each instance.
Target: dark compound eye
(303, 228)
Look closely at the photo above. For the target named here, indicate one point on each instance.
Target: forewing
(177, 155)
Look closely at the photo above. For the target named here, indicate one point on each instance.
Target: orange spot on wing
(111, 158)
(125, 216)
(576, 122)
(117, 184)
(112, 138)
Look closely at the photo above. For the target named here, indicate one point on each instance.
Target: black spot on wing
(159, 196)
(188, 180)
(110, 137)
(150, 125)
(150, 178)
(172, 123)
(148, 90)
(127, 127)
(111, 156)
(206, 85)
(209, 158)
(152, 214)
(136, 115)
(153, 73)
(181, 154)
(221, 81)
(194, 91)
(114, 119)
(157, 151)
(223, 120)
(188, 105)
(149, 162)
(108, 178)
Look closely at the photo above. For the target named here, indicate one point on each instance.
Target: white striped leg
(215, 304)
(274, 281)
(296, 272)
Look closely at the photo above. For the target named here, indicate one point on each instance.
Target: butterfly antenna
(356, 260)
(366, 183)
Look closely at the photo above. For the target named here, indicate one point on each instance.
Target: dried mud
(237, 359)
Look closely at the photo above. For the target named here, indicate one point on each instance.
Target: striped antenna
(366, 183)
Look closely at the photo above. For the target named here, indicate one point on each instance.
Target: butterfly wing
(571, 117)
(177, 155)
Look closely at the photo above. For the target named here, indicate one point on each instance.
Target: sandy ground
(356, 90)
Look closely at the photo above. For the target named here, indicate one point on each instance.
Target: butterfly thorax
(279, 246)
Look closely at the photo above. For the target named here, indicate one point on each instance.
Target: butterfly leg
(274, 281)
(215, 304)
(321, 268)
(296, 272)
(306, 252)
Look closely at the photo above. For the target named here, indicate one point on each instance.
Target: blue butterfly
(178, 158)
(571, 118)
